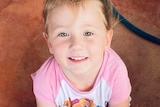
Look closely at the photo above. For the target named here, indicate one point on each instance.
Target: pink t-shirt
(112, 84)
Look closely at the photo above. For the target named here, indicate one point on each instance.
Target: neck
(83, 82)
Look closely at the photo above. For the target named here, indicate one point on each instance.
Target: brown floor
(142, 57)
(22, 50)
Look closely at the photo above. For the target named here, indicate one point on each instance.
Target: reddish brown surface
(142, 57)
(144, 14)
(20, 28)
(22, 50)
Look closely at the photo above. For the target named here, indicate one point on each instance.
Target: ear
(109, 39)
(46, 37)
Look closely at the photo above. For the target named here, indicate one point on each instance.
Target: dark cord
(136, 30)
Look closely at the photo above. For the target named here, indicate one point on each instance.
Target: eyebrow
(56, 27)
(89, 25)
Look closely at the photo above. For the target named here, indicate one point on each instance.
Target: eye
(63, 34)
(88, 34)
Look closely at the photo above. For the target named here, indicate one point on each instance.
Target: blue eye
(63, 34)
(88, 34)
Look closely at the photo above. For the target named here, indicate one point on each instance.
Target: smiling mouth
(78, 59)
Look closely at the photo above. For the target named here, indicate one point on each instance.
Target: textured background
(22, 50)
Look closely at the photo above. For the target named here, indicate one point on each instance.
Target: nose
(76, 43)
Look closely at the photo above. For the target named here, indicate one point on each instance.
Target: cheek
(98, 45)
(58, 46)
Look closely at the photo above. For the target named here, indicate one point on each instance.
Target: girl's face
(78, 39)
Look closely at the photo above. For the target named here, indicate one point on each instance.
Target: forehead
(71, 3)
(88, 12)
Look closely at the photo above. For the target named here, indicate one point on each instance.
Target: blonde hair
(105, 10)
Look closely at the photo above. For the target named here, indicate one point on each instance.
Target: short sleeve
(42, 85)
(121, 87)
(117, 78)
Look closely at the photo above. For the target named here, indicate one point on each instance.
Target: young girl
(85, 71)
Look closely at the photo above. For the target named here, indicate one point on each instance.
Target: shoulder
(113, 63)
(46, 69)
(113, 57)
(116, 75)
(113, 66)
(45, 81)
(44, 74)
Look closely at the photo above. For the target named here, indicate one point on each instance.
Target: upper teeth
(80, 58)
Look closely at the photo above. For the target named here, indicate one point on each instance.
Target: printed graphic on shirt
(83, 102)
(98, 97)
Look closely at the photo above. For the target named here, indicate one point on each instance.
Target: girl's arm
(40, 104)
(123, 104)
